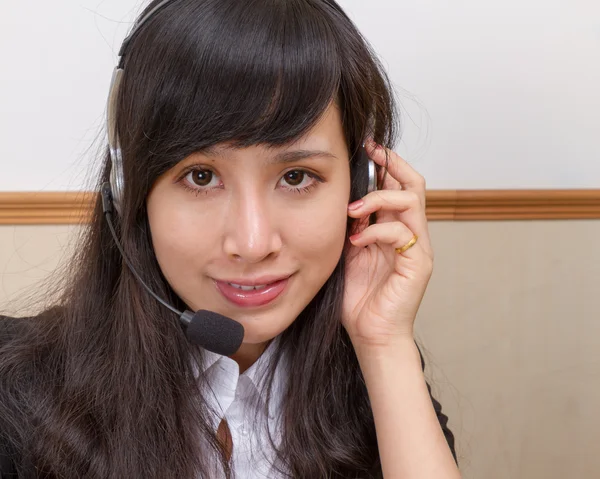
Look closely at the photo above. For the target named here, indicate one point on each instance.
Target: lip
(254, 281)
(276, 286)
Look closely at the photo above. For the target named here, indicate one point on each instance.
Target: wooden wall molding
(490, 205)
(45, 208)
(35, 208)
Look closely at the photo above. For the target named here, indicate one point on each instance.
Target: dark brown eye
(295, 177)
(201, 177)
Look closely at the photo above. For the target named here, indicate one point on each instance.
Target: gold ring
(408, 245)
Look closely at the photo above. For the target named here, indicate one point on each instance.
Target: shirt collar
(257, 373)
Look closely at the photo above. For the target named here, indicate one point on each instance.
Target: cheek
(321, 228)
(177, 237)
(320, 236)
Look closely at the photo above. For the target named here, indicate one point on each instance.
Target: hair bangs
(251, 72)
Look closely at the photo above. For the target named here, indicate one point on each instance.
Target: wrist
(398, 352)
(382, 343)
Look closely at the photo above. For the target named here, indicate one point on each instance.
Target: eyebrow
(283, 157)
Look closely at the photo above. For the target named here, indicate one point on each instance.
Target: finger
(394, 234)
(406, 176)
(395, 205)
(385, 200)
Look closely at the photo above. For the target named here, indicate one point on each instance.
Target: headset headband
(138, 25)
(116, 156)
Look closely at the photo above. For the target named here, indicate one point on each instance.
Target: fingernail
(356, 205)
(354, 237)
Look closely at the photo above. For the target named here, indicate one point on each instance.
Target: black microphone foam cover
(215, 332)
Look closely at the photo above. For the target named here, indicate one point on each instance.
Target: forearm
(411, 442)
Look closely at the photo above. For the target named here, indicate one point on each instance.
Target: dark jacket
(7, 453)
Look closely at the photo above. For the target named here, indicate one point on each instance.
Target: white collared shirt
(239, 399)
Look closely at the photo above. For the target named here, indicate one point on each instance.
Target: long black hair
(101, 383)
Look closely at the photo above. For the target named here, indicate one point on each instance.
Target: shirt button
(244, 431)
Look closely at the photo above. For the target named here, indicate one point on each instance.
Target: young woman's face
(274, 218)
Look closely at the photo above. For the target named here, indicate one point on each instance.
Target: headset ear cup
(372, 171)
(116, 170)
(364, 177)
(117, 179)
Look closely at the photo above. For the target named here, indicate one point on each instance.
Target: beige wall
(27, 255)
(511, 322)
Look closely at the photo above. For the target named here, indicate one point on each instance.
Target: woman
(240, 125)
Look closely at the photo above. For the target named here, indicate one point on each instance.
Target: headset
(208, 329)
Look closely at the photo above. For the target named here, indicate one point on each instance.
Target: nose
(252, 232)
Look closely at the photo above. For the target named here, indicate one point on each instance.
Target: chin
(259, 330)
(252, 336)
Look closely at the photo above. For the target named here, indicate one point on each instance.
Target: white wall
(496, 94)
